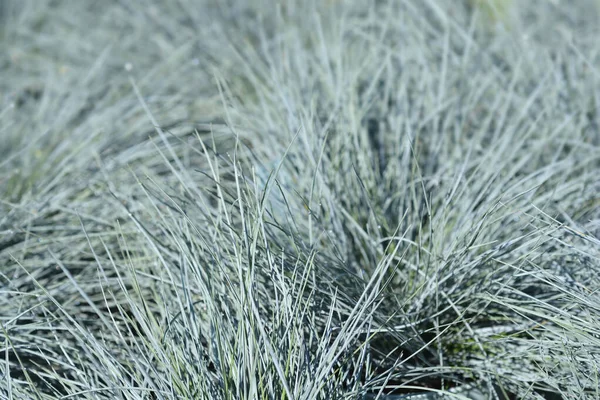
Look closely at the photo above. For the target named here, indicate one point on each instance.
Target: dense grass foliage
(299, 199)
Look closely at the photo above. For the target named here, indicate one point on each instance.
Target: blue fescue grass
(318, 200)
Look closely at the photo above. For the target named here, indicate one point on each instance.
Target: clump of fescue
(315, 201)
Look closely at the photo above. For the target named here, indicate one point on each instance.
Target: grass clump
(332, 200)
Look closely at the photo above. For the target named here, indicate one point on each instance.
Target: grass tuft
(318, 200)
